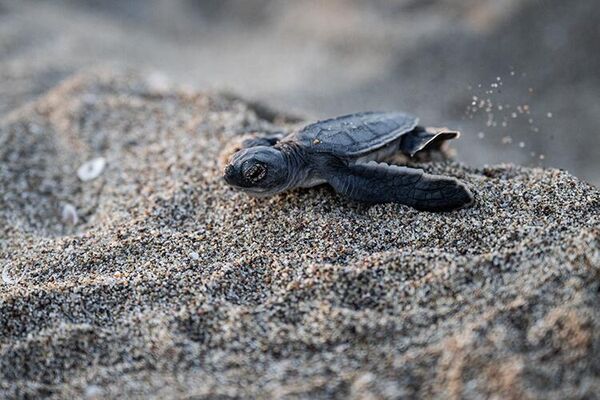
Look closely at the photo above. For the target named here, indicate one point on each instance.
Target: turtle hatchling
(347, 153)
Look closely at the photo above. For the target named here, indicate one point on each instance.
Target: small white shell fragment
(7, 279)
(158, 81)
(69, 215)
(93, 392)
(194, 255)
(91, 169)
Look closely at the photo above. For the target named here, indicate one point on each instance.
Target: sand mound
(172, 285)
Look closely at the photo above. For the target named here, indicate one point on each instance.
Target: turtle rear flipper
(430, 139)
(381, 183)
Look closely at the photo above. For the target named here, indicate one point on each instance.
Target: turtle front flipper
(267, 140)
(382, 183)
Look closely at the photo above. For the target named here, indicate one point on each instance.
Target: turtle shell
(355, 134)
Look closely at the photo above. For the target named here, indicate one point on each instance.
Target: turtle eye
(255, 172)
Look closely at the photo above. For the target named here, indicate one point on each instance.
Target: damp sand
(152, 279)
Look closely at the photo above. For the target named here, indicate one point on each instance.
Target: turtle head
(259, 171)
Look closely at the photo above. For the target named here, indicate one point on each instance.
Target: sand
(168, 284)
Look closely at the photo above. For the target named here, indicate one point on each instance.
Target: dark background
(327, 57)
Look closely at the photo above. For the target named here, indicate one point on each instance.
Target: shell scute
(355, 134)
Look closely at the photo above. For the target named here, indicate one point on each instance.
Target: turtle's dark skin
(347, 153)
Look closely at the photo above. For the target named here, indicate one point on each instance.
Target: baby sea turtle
(347, 153)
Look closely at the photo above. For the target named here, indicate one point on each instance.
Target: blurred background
(520, 78)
